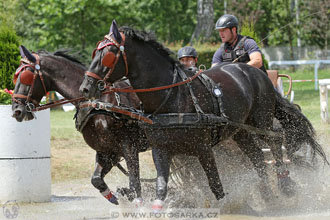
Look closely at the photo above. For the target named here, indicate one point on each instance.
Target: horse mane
(63, 54)
(149, 38)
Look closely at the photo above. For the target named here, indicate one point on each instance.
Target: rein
(189, 79)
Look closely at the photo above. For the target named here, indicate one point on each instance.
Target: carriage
(276, 79)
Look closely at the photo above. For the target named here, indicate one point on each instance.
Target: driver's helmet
(187, 51)
(226, 21)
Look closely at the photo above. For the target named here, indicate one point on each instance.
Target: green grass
(63, 125)
(305, 94)
(72, 158)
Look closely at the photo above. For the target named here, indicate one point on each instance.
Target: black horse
(110, 135)
(239, 94)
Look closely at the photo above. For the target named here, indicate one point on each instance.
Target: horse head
(109, 63)
(29, 86)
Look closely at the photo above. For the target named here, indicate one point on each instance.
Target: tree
(79, 24)
(283, 30)
(7, 12)
(9, 56)
(205, 21)
(258, 13)
(249, 30)
(316, 27)
(54, 24)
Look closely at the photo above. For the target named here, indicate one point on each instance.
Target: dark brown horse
(110, 135)
(247, 101)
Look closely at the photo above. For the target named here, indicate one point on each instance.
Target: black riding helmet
(187, 52)
(226, 21)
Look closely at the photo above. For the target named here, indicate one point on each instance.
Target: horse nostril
(85, 91)
(17, 113)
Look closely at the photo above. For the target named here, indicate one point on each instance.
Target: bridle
(110, 59)
(28, 77)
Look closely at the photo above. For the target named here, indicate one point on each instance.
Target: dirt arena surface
(78, 200)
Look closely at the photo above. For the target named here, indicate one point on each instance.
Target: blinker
(109, 59)
(26, 77)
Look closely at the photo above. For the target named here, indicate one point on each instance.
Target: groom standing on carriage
(235, 47)
(188, 57)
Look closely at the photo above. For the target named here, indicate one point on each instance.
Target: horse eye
(90, 80)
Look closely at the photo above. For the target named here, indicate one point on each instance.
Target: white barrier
(324, 85)
(24, 157)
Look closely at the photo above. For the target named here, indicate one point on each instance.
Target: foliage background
(9, 56)
(79, 24)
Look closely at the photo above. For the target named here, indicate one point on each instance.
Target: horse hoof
(266, 192)
(114, 200)
(287, 186)
(138, 202)
(220, 195)
(110, 197)
(157, 205)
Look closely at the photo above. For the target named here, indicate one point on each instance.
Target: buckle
(202, 67)
(101, 85)
(108, 107)
(29, 106)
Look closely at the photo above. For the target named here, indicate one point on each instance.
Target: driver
(235, 45)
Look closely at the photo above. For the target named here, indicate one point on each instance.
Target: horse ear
(115, 31)
(21, 51)
(26, 53)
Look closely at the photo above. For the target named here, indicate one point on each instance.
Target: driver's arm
(255, 59)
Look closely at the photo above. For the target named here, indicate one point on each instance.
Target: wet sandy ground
(78, 200)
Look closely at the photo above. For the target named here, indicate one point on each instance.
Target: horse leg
(131, 156)
(162, 163)
(104, 163)
(285, 183)
(247, 144)
(206, 159)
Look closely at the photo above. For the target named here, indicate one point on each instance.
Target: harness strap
(14, 96)
(110, 107)
(37, 67)
(190, 120)
(189, 79)
(175, 75)
(121, 49)
(91, 74)
(211, 86)
(193, 97)
(31, 88)
(57, 103)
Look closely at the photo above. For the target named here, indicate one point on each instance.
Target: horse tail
(297, 128)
